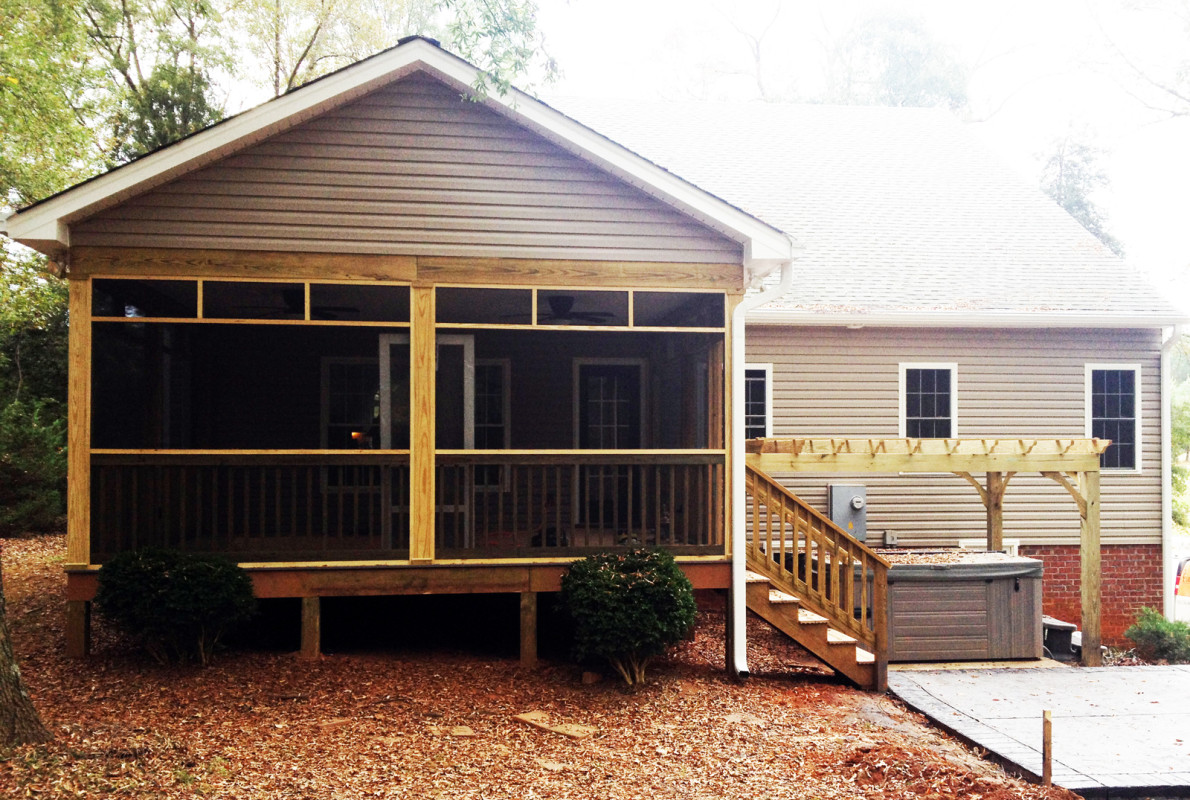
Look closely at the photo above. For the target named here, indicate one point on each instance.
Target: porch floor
(1117, 731)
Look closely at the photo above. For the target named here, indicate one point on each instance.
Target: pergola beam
(1062, 460)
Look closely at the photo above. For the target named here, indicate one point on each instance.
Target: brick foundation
(1131, 579)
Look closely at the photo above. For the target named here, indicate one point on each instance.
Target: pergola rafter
(1071, 463)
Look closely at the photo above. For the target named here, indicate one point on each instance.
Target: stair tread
(754, 577)
(838, 637)
(864, 657)
(809, 617)
(779, 597)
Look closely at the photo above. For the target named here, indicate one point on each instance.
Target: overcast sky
(1039, 69)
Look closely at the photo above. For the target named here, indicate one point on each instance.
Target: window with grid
(756, 403)
(1113, 415)
(929, 402)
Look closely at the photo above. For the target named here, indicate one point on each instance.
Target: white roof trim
(45, 226)
(961, 319)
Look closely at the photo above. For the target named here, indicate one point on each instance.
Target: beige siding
(411, 169)
(1011, 383)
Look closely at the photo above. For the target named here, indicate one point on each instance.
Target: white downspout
(738, 607)
(1167, 565)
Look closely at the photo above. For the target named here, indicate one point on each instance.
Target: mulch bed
(440, 724)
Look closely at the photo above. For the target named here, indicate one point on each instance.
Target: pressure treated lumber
(422, 358)
(78, 426)
(311, 646)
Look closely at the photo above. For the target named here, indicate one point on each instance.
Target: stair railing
(831, 573)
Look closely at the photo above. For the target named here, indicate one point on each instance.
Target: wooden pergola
(1071, 463)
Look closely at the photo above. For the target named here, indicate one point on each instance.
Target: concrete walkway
(1118, 731)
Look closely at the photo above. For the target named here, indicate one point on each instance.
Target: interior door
(609, 417)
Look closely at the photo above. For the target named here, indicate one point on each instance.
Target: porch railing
(286, 507)
(804, 552)
(569, 504)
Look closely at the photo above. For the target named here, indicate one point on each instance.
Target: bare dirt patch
(385, 725)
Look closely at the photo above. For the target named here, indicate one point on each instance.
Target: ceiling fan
(561, 309)
(295, 306)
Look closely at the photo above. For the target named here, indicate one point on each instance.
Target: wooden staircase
(811, 580)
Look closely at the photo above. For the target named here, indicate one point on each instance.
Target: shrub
(1159, 639)
(177, 604)
(32, 467)
(628, 607)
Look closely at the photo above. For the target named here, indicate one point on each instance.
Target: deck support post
(1090, 578)
(78, 628)
(529, 630)
(311, 647)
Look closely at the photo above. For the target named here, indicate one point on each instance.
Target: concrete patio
(1117, 731)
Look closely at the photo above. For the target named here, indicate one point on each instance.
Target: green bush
(32, 467)
(1158, 639)
(177, 604)
(628, 608)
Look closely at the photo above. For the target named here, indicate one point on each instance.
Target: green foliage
(178, 605)
(32, 397)
(892, 60)
(1158, 639)
(32, 467)
(628, 608)
(171, 104)
(46, 95)
(33, 331)
(1071, 175)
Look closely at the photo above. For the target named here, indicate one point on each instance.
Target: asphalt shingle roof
(899, 210)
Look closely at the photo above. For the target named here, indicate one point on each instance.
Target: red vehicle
(1181, 591)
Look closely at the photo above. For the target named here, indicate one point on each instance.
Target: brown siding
(1011, 383)
(411, 169)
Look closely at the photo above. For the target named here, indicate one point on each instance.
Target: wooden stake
(1047, 748)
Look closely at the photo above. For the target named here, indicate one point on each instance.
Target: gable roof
(904, 216)
(46, 225)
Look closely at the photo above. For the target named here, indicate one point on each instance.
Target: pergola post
(995, 507)
(1091, 575)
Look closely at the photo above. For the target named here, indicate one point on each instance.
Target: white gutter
(737, 607)
(1167, 554)
(962, 319)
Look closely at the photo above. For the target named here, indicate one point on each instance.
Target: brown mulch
(264, 724)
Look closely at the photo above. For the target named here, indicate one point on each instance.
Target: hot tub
(962, 606)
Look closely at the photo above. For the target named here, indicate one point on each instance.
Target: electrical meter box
(849, 508)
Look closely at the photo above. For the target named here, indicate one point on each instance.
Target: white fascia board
(764, 246)
(962, 319)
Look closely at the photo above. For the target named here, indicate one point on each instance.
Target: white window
(350, 406)
(1113, 412)
(928, 400)
(758, 401)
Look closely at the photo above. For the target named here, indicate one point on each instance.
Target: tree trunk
(19, 723)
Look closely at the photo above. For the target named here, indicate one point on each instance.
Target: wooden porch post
(995, 504)
(1091, 576)
(422, 359)
(78, 470)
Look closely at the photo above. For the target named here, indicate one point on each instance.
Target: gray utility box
(848, 505)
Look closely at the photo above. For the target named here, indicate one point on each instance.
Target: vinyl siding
(1011, 383)
(411, 169)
